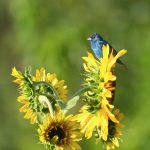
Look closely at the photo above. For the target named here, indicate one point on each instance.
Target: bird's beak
(89, 39)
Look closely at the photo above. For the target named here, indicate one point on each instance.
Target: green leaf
(72, 103)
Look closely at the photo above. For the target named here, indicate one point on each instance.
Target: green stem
(79, 92)
(44, 99)
(49, 85)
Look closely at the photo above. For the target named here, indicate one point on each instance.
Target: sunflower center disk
(57, 131)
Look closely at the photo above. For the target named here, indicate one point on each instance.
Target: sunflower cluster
(42, 96)
(45, 103)
(98, 116)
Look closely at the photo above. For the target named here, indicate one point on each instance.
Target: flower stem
(81, 91)
(49, 85)
(44, 99)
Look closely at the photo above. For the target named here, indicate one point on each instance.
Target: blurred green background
(52, 34)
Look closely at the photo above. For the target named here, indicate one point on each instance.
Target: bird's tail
(112, 50)
(121, 63)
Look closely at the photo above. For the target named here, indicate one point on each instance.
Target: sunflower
(60, 132)
(100, 73)
(101, 81)
(96, 121)
(29, 96)
(114, 132)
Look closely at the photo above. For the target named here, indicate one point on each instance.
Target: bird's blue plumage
(97, 42)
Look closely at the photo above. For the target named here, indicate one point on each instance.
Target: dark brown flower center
(57, 131)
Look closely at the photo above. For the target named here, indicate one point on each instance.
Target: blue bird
(97, 43)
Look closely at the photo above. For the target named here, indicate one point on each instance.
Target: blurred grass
(52, 34)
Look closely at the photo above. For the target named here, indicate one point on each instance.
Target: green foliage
(71, 103)
(53, 34)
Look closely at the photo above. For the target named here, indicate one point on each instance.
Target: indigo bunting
(97, 43)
